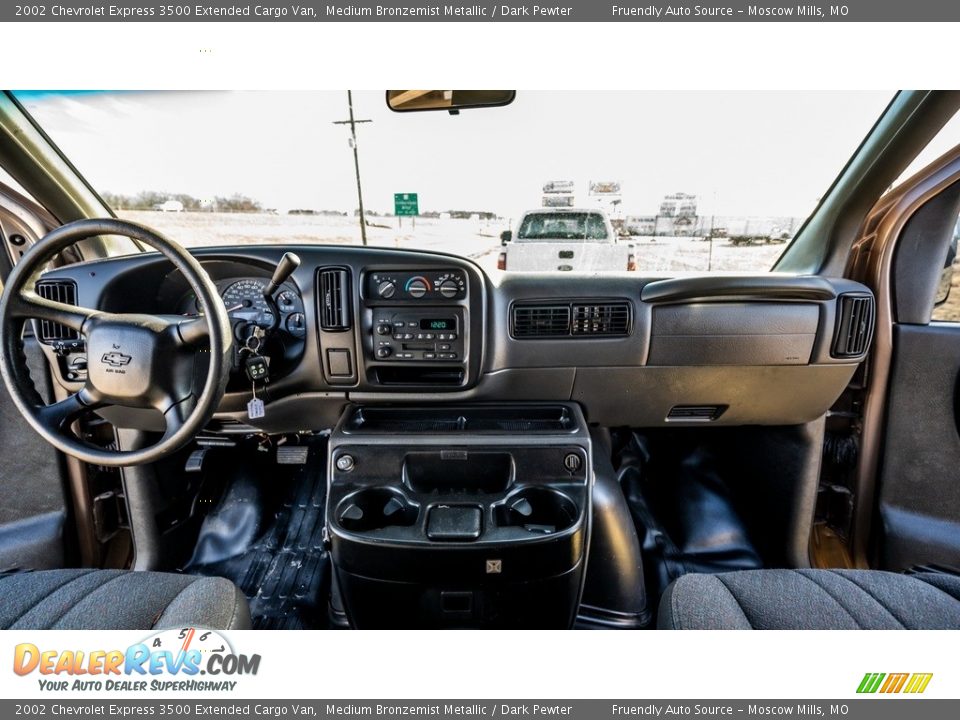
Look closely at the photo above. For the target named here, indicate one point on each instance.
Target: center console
(473, 516)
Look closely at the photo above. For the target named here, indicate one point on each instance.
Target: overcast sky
(746, 153)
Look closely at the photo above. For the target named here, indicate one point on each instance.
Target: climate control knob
(448, 288)
(417, 288)
(386, 289)
(384, 352)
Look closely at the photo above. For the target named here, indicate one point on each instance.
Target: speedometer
(245, 298)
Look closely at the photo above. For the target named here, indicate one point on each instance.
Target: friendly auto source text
(674, 11)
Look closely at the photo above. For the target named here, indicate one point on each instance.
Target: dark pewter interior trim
(758, 344)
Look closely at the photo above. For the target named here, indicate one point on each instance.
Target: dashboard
(376, 325)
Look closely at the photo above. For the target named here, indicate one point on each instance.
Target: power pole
(356, 161)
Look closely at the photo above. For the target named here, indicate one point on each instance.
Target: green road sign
(406, 204)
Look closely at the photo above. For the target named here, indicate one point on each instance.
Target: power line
(356, 161)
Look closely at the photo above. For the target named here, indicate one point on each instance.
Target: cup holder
(537, 510)
(376, 508)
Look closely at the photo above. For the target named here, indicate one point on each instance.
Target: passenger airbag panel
(750, 333)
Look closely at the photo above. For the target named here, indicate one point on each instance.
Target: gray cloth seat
(811, 600)
(83, 599)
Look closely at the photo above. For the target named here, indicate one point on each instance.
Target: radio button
(429, 356)
(444, 346)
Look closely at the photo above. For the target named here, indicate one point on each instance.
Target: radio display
(438, 324)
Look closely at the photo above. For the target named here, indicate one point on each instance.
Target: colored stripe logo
(884, 683)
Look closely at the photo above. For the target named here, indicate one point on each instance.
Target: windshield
(565, 226)
(689, 181)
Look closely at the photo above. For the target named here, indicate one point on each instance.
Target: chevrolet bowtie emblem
(115, 359)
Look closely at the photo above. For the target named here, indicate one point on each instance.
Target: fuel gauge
(297, 324)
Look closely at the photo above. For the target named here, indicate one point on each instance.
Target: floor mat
(284, 571)
(684, 512)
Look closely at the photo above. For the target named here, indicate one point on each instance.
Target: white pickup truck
(565, 240)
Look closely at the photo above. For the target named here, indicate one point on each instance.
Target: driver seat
(86, 599)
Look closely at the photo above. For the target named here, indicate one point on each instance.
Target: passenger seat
(811, 600)
(83, 599)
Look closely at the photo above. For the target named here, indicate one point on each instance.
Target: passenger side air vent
(855, 321)
(540, 321)
(334, 299)
(62, 291)
(695, 413)
(602, 319)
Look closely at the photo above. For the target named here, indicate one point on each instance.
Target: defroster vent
(334, 299)
(61, 291)
(854, 325)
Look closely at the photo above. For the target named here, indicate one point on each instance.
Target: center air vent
(854, 325)
(61, 291)
(334, 299)
(608, 319)
(532, 321)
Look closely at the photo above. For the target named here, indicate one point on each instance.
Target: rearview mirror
(451, 100)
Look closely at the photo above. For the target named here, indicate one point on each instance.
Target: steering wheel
(133, 360)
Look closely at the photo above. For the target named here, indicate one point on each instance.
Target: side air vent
(695, 413)
(334, 299)
(61, 291)
(541, 321)
(856, 316)
(602, 319)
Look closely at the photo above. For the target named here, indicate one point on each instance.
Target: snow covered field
(475, 239)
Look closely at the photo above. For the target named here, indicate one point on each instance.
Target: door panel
(33, 507)
(920, 485)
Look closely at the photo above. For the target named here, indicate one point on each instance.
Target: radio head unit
(414, 335)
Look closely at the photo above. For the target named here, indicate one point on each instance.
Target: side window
(947, 305)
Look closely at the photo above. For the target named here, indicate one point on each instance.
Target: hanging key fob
(257, 369)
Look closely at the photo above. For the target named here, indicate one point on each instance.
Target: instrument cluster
(246, 306)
